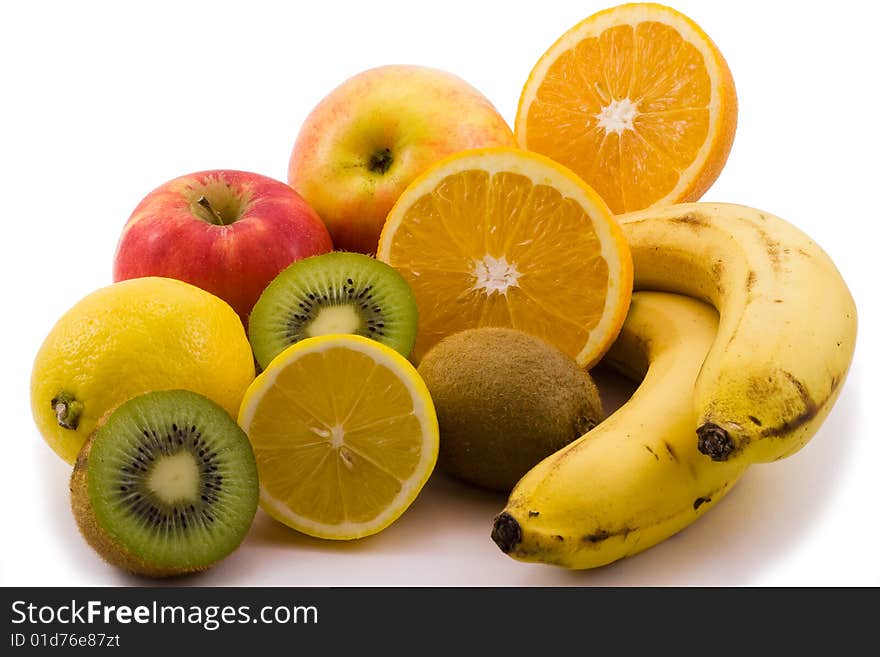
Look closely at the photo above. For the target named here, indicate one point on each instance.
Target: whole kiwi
(505, 400)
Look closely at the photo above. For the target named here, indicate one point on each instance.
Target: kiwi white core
(617, 116)
(175, 478)
(334, 319)
(494, 275)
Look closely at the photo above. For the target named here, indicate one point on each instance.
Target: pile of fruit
(431, 288)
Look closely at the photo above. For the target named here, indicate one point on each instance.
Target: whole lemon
(133, 337)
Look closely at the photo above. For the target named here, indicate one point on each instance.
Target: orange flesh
(665, 80)
(503, 252)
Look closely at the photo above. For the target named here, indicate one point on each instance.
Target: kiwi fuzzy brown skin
(505, 400)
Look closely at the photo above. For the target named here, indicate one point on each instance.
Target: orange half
(504, 237)
(638, 101)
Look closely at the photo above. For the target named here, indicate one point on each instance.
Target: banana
(637, 477)
(787, 322)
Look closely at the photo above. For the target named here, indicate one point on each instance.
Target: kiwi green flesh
(363, 295)
(121, 506)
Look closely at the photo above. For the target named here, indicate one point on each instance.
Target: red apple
(370, 137)
(227, 232)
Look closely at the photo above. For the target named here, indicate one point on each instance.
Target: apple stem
(381, 161)
(205, 203)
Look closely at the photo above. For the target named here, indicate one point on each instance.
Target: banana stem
(506, 532)
(714, 442)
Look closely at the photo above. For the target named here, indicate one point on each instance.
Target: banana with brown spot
(637, 477)
(787, 329)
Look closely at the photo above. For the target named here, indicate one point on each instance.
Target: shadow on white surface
(440, 506)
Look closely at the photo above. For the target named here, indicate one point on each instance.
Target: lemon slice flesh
(345, 436)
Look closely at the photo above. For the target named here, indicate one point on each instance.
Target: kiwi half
(337, 292)
(166, 485)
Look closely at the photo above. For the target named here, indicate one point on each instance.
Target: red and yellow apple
(370, 137)
(228, 232)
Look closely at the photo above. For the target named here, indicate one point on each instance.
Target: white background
(102, 102)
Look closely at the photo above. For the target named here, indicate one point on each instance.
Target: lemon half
(345, 435)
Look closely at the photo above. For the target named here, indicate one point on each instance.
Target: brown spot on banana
(691, 219)
(835, 380)
(751, 280)
(772, 247)
(700, 501)
(811, 409)
(598, 536)
(717, 277)
(671, 451)
(603, 535)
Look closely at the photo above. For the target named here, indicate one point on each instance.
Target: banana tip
(714, 442)
(506, 532)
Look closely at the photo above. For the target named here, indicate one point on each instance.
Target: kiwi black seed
(166, 485)
(337, 292)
